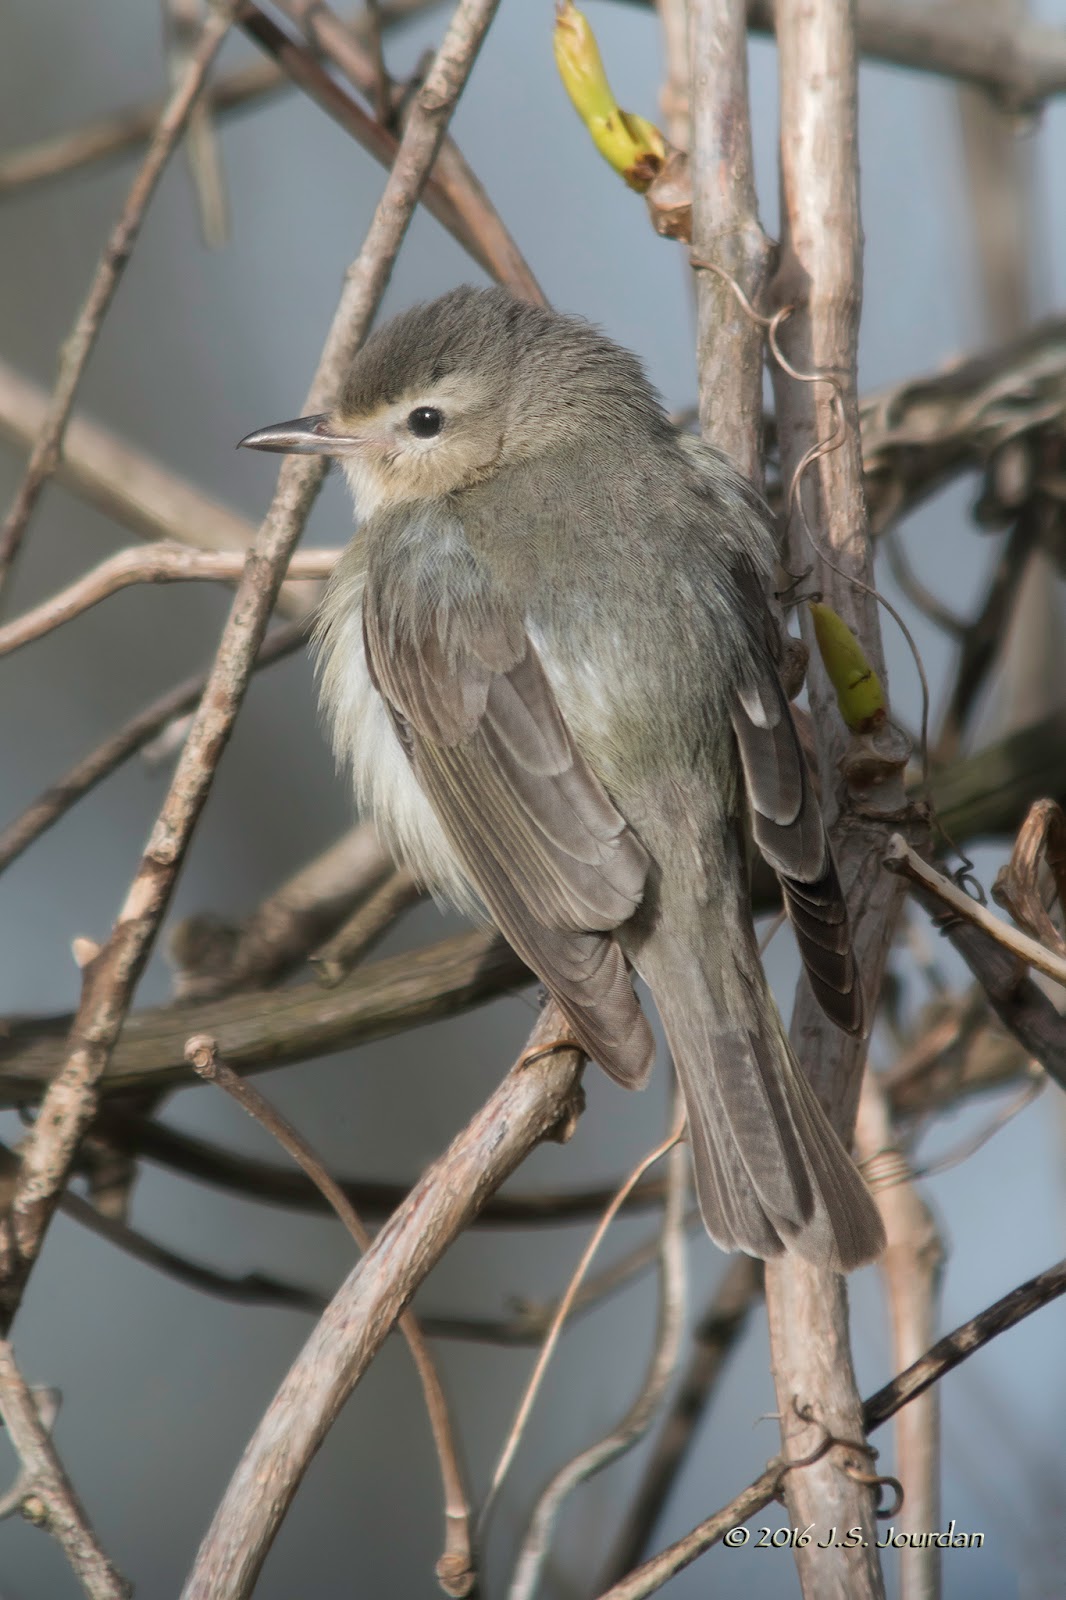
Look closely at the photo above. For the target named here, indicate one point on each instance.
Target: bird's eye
(425, 422)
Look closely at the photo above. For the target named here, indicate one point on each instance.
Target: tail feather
(771, 1173)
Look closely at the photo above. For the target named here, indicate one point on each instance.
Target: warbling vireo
(548, 659)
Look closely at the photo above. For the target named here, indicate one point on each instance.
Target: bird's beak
(304, 436)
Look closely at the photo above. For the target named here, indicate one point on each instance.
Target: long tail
(771, 1173)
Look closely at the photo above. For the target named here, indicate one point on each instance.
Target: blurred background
(163, 1386)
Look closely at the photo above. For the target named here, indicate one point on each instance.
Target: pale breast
(366, 743)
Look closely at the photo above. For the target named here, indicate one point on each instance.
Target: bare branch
(49, 1498)
(455, 1569)
(255, 1179)
(638, 1419)
(399, 891)
(55, 801)
(717, 1334)
(152, 563)
(260, 1030)
(139, 493)
(947, 1353)
(536, 1098)
(819, 277)
(79, 345)
(911, 1268)
(908, 864)
(726, 232)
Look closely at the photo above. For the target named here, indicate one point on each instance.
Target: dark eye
(425, 422)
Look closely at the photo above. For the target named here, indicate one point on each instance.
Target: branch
(819, 277)
(717, 1334)
(256, 1031)
(79, 344)
(907, 864)
(48, 1495)
(911, 1269)
(55, 801)
(255, 1179)
(153, 563)
(537, 1098)
(109, 981)
(949, 1352)
(455, 1569)
(726, 233)
(114, 135)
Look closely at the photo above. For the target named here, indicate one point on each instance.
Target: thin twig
(276, 1185)
(900, 858)
(291, 922)
(532, 1389)
(137, 492)
(947, 1353)
(150, 563)
(79, 344)
(819, 280)
(717, 1334)
(455, 1568)
(50, 1498)
(537, 1098)
(638, 1419)
(55, 801)
(457, 182)
(109, 981)
(251, 1288)
(368, 926)
(911, 1269)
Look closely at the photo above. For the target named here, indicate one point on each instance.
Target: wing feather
(552, 858)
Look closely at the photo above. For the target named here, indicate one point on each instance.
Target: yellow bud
(633, 146)
(859, 693)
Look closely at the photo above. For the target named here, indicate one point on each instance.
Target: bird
(549, 660)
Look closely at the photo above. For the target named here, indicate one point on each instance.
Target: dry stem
(534, 1099)
(455, 1569)
(153, 563)
(49, 1497)
(79, 344)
